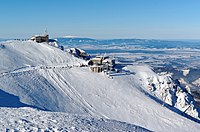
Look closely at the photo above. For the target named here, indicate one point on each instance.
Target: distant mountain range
(1, 39)
(147, 43)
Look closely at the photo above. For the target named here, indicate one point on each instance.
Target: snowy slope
(168, 90)
(21, 54)
(42, 76)
(26, 119)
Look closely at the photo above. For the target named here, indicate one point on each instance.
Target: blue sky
(102, 19)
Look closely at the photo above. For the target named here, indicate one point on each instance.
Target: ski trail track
(71, 92)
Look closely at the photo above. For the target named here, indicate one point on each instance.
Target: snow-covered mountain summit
(41, 76)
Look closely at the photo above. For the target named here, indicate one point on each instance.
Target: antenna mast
(46, 33)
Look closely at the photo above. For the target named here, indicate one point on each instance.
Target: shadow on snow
(170, 107)
(12, 101)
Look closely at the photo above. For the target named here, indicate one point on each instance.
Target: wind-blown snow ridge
(47, 78)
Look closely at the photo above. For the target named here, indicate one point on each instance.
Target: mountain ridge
(48, 78)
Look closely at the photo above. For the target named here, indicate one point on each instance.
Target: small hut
(40, 39)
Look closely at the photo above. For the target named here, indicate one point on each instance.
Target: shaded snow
(196, 82)
(169, 91)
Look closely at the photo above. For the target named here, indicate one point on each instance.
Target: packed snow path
(20, 71)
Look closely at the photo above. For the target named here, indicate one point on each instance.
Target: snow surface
(27, 119)
(186, 72)
(169, 91)
(196, 82)
(71, 36)
(44, 77)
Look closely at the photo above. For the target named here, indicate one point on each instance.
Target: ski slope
(40, 76)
